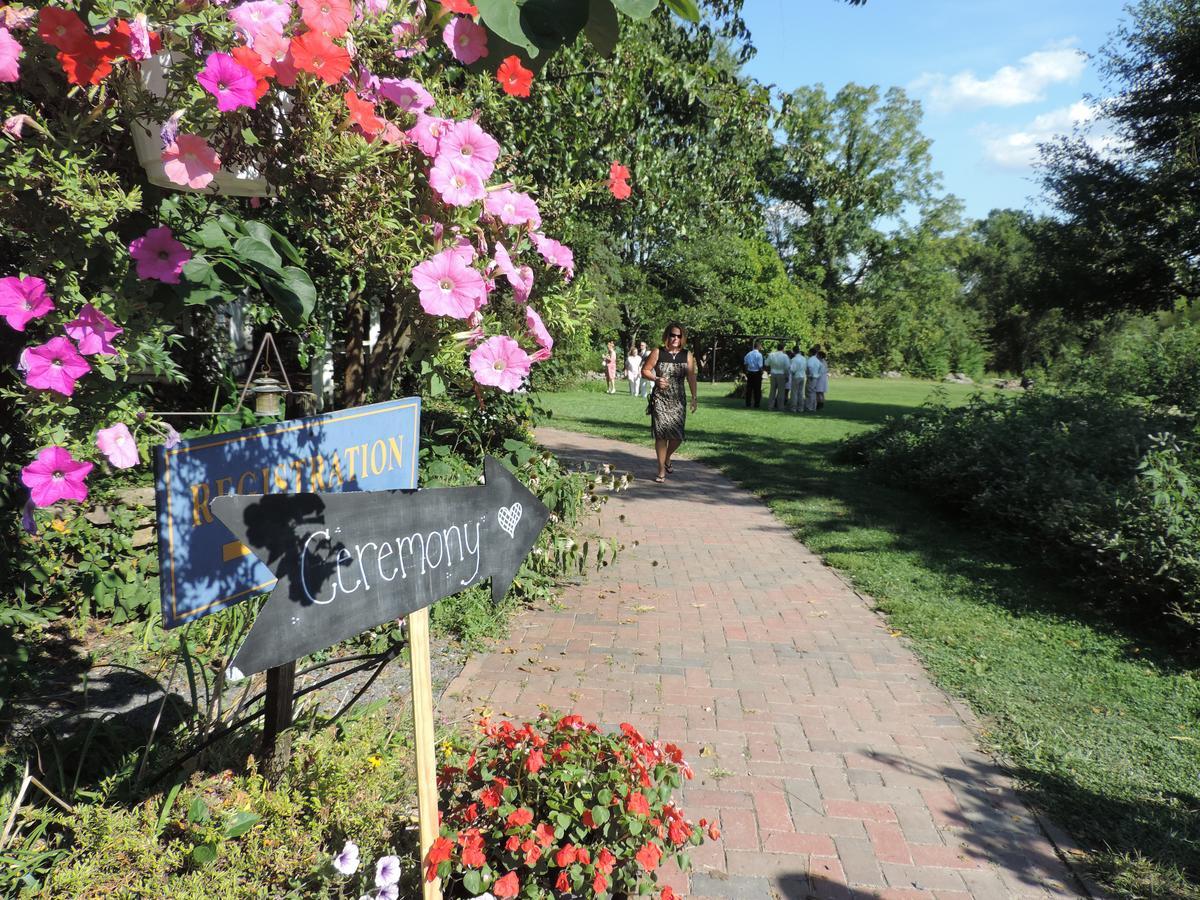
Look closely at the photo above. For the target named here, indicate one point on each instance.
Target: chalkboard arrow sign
(348, 562)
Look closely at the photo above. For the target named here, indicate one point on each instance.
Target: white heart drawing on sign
(508, 517)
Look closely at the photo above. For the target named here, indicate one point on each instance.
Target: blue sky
(993, 76)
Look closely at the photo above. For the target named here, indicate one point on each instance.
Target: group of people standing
(635, 359)
(799, 381)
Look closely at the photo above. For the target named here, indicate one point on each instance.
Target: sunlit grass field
(1098, 723)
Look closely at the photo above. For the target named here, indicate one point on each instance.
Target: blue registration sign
(202, 567)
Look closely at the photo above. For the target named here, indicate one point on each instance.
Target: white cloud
(1018, 150)
(1026, 82)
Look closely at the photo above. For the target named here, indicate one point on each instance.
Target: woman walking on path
(669, 365)
(610, 368)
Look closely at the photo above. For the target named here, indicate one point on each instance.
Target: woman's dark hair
(682, 330)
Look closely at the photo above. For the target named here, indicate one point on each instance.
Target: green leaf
(552, 23)
(635, 827)
(239, 823)
(210, 236)
(168, 805)
(636, 9)
(269, 235)
(473, 882)
(504, 18)
(249, 138)
(603, 27)
(198, 270)
(204, 854)
(294, 292)
(685, 9)
(198, 811)
(258, 252)
(599, 814)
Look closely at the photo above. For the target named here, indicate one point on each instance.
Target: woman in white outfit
(633, 371)
(822, 380)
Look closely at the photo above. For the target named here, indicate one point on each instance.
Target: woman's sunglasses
(673, 334)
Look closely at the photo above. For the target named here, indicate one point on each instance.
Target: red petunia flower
(605, 860)
(649, 856)
(471, 813)
(534, 761)
(362, 114)
(599, 883)
(668, 893)
(588, 820)
(315, 53)
(515, 80)
(62, 29)
(252, 62)
(713, 832)
(545, 835)
(531, 850)
(492, 795)
(508, 886)
(513, 844)
(563, 883)
(471, 842)
(519, 817)
(637, 804)
(90, 63)
(618, 172)
(462, 7)
(565, 856)
(440, 850)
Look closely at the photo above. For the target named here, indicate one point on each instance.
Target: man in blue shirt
(753, 363)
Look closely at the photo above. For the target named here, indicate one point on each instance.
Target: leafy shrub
(1084, 478)
(558, 806)
(229, 834)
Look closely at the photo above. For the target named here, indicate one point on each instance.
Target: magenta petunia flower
(93, 332)
(427, 132)
(229, 81)
(457, 184)
(118, 446)
(500, 362)
(190, 161)
(159, 256)
(55, 475)
(448, 286)
(23, 299)
(407, 94)
(537, 329)
(259, 17)
(55, 366)
(10, 56)
(467, 41)
(554, 253)
(513, 208)
(467, 144)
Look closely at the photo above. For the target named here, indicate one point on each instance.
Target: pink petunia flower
(374, 8)
(118, 446)
(427, 132)
(407, 38)
(14, 126)
(55, 365)
(500, 362)
(467, 41)
(537, 329)
(10, 54)
(448, 286)
(463, 249)
(189, 160)
(457, 184)
(554, 253)
(469, 145)
(257, 18)
(93, 332)
(139, 38)
(406, 93)
(229, 81)
(513, 208)
(159, 256)
(55, 475)
(23, 299)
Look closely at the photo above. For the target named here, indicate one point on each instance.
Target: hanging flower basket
(147, 141)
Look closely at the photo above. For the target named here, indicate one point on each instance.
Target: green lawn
(1099, 724)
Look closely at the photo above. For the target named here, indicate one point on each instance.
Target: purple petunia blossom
(387, 871)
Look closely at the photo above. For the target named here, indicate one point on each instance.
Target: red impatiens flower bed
(558, 807)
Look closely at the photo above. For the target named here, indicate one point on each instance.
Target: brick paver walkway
(833, 764)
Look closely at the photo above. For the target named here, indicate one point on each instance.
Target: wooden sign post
(346, 562)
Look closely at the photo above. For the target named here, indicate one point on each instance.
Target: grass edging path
(1097, 724)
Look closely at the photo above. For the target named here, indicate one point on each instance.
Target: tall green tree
(1131, 232)
(848, 171)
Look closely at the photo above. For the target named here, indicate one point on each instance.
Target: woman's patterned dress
(667, 412)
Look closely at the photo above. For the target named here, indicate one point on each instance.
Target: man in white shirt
(813, 370)
(777, 363)
(753, 361)
(799, 367)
